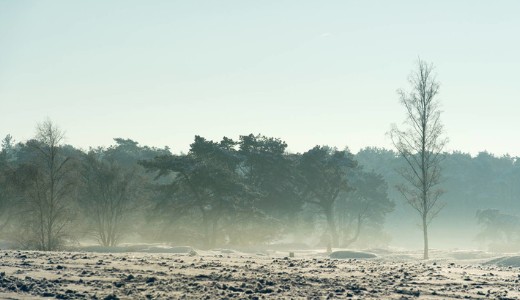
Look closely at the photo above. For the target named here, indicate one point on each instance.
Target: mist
(248, 193)
(259, 149)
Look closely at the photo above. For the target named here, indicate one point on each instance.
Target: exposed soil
(228, 274)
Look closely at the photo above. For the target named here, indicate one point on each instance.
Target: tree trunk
(331, 224)
(356, 234)
(425, 235)
(205, 224)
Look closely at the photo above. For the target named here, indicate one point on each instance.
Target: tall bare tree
(421, 145)
(48, 190)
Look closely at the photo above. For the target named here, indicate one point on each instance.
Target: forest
(248, 191)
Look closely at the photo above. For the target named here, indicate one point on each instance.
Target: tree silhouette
(324, 175)
(421, 146)
(109, 194)
(48, 182)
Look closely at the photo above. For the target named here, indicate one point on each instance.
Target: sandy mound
(102, 249)
(508, 261)
(166, 249)
(344, 254)
(139, 248)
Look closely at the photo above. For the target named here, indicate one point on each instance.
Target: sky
(308, 72)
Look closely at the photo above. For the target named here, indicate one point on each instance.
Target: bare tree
(109, 195)
(48, 190)
(421, 145)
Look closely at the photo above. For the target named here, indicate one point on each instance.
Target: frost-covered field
(179, 272)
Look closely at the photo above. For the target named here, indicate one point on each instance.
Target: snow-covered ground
(164, 272)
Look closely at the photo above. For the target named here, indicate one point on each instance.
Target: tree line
(244, 192)
(240, 192)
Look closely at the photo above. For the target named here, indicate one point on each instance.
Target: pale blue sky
(309, 72)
